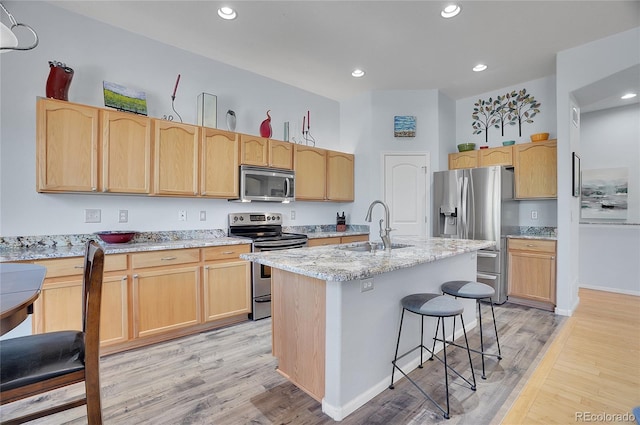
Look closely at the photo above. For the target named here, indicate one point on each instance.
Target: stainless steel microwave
(266, 184)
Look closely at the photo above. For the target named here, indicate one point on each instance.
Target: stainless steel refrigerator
(478, 203)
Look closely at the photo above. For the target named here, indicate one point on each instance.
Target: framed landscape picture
(124, 99)
(404, 126)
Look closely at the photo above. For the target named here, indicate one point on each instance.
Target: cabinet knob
(94, 189)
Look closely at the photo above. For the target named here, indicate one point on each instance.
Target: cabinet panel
(167, 257)
(324, 241)
(356, 238)
(467, 159)
(280, 154)
(495, 156)
(219, 165)
(225, 252)
(114, 317)
(175, 158)
(340, 169)
(253, 150)
(227, 289)
(532, 272)
(165, 300)
(311, 173)
(126, 152)
(67, 147)
(535, 169)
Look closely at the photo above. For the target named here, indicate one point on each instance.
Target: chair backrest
(91, 299)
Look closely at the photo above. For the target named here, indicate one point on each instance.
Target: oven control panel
(254, 219)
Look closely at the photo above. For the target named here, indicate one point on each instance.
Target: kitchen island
(336, 312)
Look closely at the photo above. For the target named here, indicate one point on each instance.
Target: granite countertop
(336, 263)
(525, 232)
(61, 246)
(327, 231)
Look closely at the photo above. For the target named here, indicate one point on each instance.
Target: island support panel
(298, 323)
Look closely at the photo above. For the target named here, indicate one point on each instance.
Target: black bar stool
(432, 305)
(479, 292)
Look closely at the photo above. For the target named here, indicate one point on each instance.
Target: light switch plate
(92, 215)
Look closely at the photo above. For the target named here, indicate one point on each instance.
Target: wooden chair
(35, 364)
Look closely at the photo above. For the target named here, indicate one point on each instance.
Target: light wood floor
(591, 370)
(227, 376)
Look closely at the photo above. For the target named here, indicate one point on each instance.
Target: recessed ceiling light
(357, 73)
(450, 11)
(480, 67)
(629, 96)
(227, 13)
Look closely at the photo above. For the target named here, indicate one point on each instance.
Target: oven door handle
(267, 246)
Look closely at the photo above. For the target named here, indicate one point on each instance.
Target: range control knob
(235, 218)
(241, 218)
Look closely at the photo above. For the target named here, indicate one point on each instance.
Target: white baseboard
(338, 413)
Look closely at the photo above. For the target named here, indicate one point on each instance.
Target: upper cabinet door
(67, 147)
(340, 168)
(495, 156)
(535, 168)
(219, 164)
(175, 158)
(253, 150)
(126, 152)
(468, 159)
(311, 173)
(280, 154)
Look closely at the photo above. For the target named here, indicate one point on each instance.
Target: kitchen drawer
(489, 261)
(225, 252)
(169, 257)
(75, 265)
(324, 241)
(354, 238)
(537, 245)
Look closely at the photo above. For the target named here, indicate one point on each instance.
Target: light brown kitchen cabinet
(336, 240)
(310, 165)
(495, 156)
(263, 152)
(219, 164)
(532, 272)
(67, 147)
(340, 171)
(175, 160)
(226, 282)
(468, 159)
(59, 306)
(166, 291)
(125, 152)
(535, 170)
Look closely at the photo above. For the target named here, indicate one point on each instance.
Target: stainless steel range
(265, 230)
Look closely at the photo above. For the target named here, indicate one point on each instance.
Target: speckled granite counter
(335, 263)
(524, 232)
(327, 230)
(60, 246)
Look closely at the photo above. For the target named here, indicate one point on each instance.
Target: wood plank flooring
(592, 367)
(228, 376)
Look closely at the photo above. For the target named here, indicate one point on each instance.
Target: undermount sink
(371, 246)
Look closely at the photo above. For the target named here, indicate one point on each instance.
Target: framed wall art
(404, 126)
(124, 99)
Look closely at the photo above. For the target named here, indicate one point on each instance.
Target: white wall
(100, 52)
(609, 258)
(367, 121)
(543, 90)
(576, 68)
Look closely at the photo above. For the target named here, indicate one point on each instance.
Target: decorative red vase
(60, 76)
(265, 126)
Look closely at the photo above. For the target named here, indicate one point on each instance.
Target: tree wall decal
(483, 117)
(523, 108)
(503, 111)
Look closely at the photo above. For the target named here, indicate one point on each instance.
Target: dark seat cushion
(35, 358)
(434, 305)
(468, 289)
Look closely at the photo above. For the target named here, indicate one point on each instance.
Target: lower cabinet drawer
(169, 257)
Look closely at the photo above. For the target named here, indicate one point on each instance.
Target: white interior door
(406, 192)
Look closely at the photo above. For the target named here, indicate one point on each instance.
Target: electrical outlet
(123, 216)
(293, 214)
(92, 215)
(182, 215)
(534, 215)
(366, 285)
(203, 216)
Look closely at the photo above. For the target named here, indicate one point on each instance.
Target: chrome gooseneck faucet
(384, 232)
